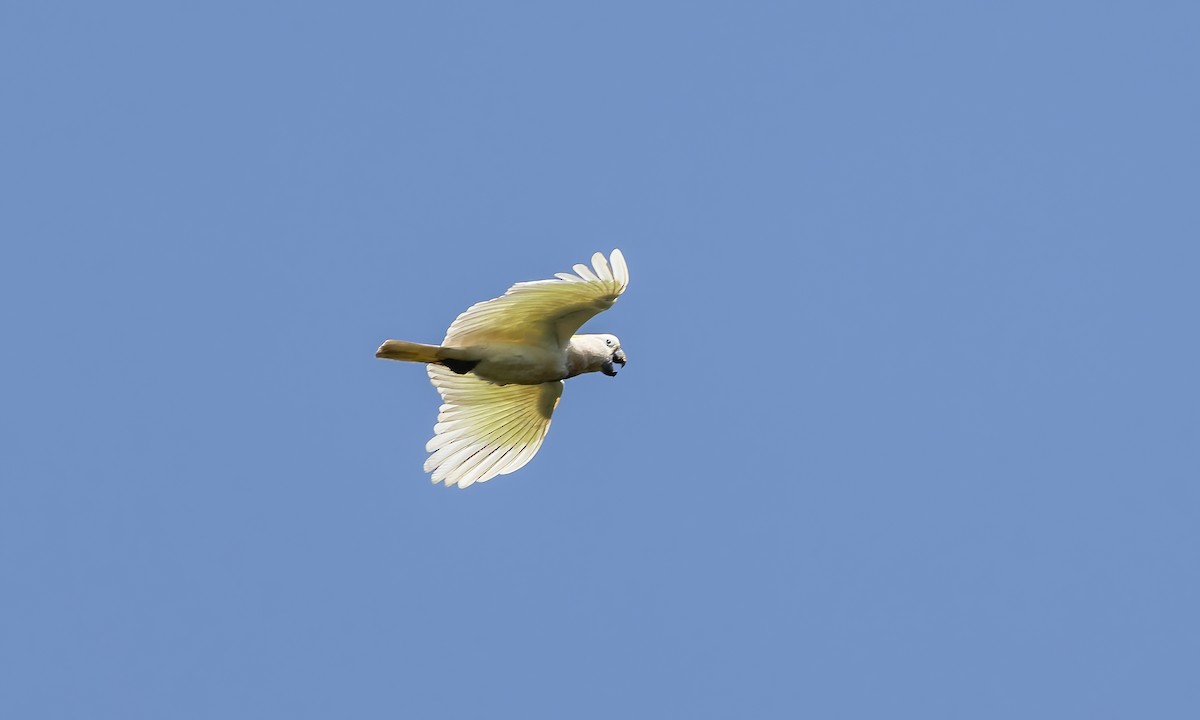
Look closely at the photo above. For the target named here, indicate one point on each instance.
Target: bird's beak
(608, 369)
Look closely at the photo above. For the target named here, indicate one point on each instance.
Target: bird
(500, 369)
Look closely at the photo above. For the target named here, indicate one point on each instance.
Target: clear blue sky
(911, 423)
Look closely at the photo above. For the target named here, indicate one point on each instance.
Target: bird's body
(501, 366)
(510, 364)
(499, 363)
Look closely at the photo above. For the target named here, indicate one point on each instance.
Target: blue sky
(909, 427)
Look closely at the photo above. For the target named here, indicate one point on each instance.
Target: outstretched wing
(485, 430)
(543, 312)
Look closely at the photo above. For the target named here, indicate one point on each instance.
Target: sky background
(909, 429)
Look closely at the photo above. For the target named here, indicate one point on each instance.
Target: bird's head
(614, 354)
(589, 353)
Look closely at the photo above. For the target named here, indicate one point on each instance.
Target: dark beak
(608, 369)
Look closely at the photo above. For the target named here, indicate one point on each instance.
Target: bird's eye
(608, 342)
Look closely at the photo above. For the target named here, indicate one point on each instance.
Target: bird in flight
(501, 366)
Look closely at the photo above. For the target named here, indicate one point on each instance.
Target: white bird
(501, 367)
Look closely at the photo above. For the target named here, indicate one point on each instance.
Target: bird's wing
(485, 430)
(543, 312)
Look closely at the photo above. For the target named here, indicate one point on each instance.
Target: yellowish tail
(457, 359)
(411, 352)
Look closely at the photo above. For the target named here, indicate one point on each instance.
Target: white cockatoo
(501, 367)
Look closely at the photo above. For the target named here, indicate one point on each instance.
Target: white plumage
(501, 366)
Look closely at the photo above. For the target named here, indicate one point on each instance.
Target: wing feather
(602, 270)
(620, 269)
(503, 446)
(585, 272)
(543, 312)
(485, 430)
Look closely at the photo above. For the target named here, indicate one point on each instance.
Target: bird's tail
(457, 360)
(409, 351)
